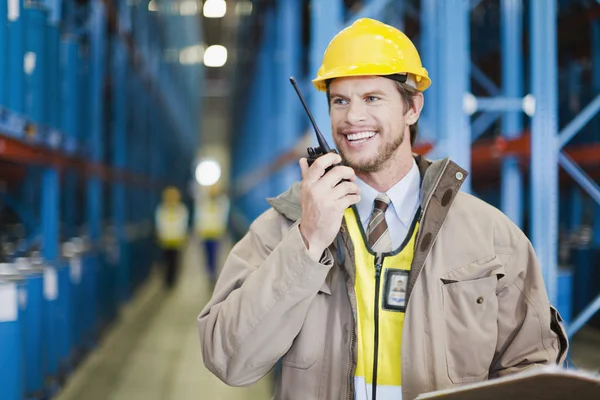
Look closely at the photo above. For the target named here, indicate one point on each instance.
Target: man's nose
(356, 112)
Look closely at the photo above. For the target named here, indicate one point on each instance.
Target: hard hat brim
(422, 82)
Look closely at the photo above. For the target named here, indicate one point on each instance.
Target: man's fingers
(303, 166)
(327, 160)
(317, 169)
(345, 189)
(349, 200)
(337, 174)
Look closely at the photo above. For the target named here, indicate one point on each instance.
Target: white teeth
(361, 135)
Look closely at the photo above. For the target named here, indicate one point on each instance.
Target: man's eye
(339, 101)
(372, 98)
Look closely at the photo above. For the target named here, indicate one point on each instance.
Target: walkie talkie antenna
(322, 143)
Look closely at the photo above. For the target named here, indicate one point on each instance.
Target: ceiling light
(152, 6)
(208, 172)
(214, 8)
(215, 56)
(189, 7)
(191, 55)
(13, 10)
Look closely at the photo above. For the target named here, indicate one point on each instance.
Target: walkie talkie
(323, 148)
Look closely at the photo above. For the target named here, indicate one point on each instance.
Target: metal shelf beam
(454, 82)
(544, 154)
(16, 52)
(512, 121)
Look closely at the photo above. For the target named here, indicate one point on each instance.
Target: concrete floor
(153, 353)
(585, 349)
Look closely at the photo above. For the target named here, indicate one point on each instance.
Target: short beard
(385, 153)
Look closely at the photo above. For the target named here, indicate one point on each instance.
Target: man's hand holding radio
(323, 198)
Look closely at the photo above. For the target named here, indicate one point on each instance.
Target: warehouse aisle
(153, 351)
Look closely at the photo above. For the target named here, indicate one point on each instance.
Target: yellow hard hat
(214, 189)
(171, 194)
(370, 47)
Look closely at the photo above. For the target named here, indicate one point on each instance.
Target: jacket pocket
(307, 347)
(471, 330)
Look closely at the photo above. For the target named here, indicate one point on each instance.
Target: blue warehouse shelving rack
(96, 117)
(515, 100)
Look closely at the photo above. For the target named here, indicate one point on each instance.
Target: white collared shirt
(404, 203)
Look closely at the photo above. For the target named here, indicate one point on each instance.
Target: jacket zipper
(351, 363)
(377, 281)
(437, 182)
(378, 265)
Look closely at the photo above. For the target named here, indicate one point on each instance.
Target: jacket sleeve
(260, 301)
(529, 329)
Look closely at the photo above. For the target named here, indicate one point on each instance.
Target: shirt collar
(404, 196)
(367, 198)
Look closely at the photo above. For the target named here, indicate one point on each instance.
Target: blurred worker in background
(172, 219)
(312, 282)
(212, 210)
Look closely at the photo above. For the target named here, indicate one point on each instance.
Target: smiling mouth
(360, 137)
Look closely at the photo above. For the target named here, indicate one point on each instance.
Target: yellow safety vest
(171, 225)
(393, 282)
(211, 217)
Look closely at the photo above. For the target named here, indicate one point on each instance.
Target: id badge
(395, 287)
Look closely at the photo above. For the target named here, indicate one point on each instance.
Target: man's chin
(361, 165)
(358, 161)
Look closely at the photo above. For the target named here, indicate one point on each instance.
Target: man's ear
(414, 112)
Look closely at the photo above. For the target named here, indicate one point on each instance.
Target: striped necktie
(378, 233)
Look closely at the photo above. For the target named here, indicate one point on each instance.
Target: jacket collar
(288, 203)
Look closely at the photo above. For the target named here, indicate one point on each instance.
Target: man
(309, 281)
(171, 228)
(212, 211)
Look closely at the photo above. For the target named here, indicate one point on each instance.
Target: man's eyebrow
(334, 94)
(367, 93)
(376, 91)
